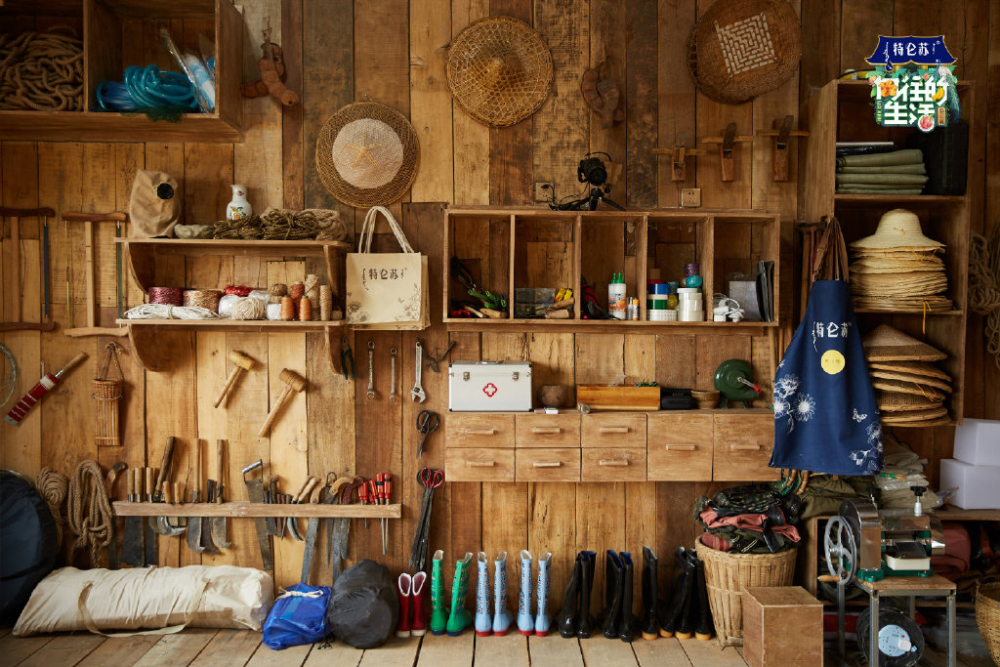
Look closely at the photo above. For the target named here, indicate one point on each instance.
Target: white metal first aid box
(977, 441)
(978, 486)
(489, 386)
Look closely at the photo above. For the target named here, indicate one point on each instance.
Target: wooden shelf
(604, 326)
(236, 326)
(109, 126)
(918, 313)
(891, 201)
(241, 509)
(949, 513)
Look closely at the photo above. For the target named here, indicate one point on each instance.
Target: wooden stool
(782, 627)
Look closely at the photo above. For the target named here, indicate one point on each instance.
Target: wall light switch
(691, 197)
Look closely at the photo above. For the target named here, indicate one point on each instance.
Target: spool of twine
(249, 309)
(274, 299)
(274, 311)
(278, 289)
(238, 290)
(325, 302)
(305, 309)
(312, 287)
(287, 308)
(165, 296)
(202, 298)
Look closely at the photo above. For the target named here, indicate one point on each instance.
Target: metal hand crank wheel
(841, 551)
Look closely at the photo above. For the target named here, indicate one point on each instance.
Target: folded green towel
(888, 169)
(882, 179)
(908, 156)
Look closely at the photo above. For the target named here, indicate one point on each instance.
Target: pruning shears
(490, 300)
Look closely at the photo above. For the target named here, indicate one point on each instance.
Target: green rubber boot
(460, 617)
(439, 615)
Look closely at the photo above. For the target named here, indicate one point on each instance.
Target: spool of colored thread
(659, 288)
(691, 269)
(238, 290)
(297, 290)
(325, 302)
(305, 309)
(165, 296)
(203, 298)
(287, 308)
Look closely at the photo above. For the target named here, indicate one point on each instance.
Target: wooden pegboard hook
(782, 134)
(679, 155)
(727, 145)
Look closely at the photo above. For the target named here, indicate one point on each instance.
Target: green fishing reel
(734, 380)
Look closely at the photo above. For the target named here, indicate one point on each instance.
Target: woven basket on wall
(367, 155)
(727, 574)
(988, 616)
(743, 48)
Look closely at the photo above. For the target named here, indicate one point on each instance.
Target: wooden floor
(237, 648)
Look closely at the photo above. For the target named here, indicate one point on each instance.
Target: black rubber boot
(626, 626)
(566, 620)
(686, 622)
(679, 595)
(585, 623)
(703, 622)
(612, 594)
(650, 590)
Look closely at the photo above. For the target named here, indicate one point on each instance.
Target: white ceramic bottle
(238, 208)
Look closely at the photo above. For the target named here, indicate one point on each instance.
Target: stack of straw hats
(910, 390)
(898, 268)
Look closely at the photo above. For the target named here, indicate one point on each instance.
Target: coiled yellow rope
(90, 514)
(53, 486)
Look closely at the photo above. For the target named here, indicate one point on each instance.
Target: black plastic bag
(364, 609)
(28, 545)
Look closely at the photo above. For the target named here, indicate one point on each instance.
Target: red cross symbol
(490, 389)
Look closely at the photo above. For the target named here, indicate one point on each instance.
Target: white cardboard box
(489, 386)
(977, 441)
(978, 486)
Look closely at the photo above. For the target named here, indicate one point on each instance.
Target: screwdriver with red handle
(363, 496)
(386, 494)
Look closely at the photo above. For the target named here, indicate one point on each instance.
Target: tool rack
(242, 509)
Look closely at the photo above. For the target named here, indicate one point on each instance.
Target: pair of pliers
(346, 358)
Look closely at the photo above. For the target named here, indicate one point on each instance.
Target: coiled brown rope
(984, 286)
(41, 72)
(53, 486)
(90, 514)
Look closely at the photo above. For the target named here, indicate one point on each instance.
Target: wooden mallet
(243, 363)
(293, 382)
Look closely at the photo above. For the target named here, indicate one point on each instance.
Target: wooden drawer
(613, 430)
(479, 464)
(679, 448)
(613, 464)
(743, 446)
(557, 464)
(548, 430)
(477, 430)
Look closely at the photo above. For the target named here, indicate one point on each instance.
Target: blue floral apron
(825, 415)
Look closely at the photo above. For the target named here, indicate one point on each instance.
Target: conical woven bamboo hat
(921, 417)
(913, 304)
(499, 70)
(917, 368)
(898, 228)
(895, 386)
(888, 344)
(889, 401)
(909, 378)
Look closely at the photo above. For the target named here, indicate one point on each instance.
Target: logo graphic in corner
(913, 83)
(490, 389)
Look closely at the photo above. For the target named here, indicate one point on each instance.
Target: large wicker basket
(727, 574)
(988, 617)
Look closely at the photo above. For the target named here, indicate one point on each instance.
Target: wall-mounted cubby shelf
(243, 509)
(113, 33)
(507, 249)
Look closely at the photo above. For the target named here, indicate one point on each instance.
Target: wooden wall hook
(680, 154)
(782, 133)
(727, 144)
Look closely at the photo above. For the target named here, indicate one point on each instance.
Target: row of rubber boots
(686, 613)
(455, 618)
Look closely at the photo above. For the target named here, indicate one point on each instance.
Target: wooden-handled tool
(89, 219)
(44, 386)
(293, 382)
(165, 461)
(242, 363)
(15, 215)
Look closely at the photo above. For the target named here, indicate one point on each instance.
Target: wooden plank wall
(339, 51)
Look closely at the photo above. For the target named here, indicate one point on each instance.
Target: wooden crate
(782, 627)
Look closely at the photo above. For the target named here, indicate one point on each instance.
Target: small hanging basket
(108, 394)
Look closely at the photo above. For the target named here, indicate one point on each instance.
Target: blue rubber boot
(542, 620)
(501, 617)
(483, 627)
(525, 622)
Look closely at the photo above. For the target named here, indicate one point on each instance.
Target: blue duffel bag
(297, 617)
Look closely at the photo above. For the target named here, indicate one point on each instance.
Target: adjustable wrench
(417, 393)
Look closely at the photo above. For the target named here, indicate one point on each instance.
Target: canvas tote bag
(386, 290)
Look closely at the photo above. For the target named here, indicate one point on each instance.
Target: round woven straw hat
(919, 380)
(367, 154)
(499, 70)
(919, 304)
(921, 417)
(914, 368)
(898, 387)
(743, 48)
(890, 401)
(898, 228)
(885, 343)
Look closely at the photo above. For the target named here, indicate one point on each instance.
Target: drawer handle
(614, 429)
(744, 448)
(480, 431)
(613, 462)
(680, 448)
(480, 464)
(546, 464)
(546, 430)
